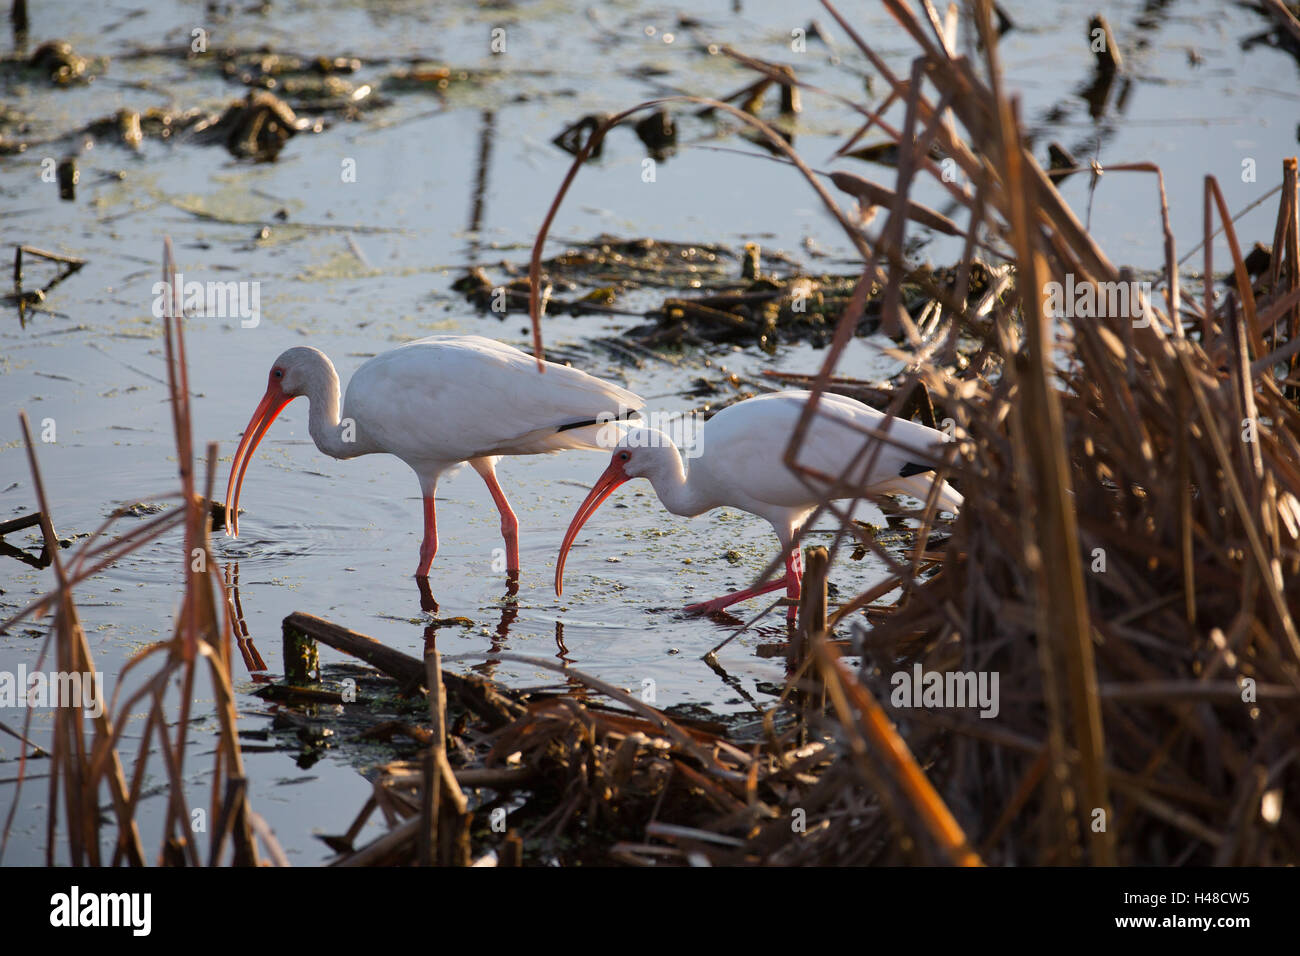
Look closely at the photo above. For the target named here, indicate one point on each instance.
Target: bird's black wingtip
(624, 415)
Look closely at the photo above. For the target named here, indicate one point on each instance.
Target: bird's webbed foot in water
(427, 602)
(716, 606)
(790, 581)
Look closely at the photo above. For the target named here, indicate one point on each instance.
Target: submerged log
(473, 692)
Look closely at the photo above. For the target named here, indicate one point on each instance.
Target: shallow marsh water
(444, 183)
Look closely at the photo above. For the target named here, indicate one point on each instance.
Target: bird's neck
(334, 438)
(673, 486)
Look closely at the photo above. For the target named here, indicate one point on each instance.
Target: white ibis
(435, 403)
(741, 467)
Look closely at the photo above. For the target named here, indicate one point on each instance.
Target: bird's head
(643, 452)
(293, 373)
(639, 453)
(296, 369)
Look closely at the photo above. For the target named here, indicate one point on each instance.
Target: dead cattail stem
(1285, 267)
(430, 807)
(74, 654)
(1062, 610)
(812, 603)
(1104, 46)
(83, 757)
(811, 629)
(443, 809)
(847, 695)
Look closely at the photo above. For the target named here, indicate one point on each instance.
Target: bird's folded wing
(490, 399)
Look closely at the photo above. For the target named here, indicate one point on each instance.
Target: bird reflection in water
(509, 612)
(429, 604)
(572, 687)
(247, 649)
(577, 689)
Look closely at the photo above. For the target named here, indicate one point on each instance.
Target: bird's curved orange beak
(271, 405)
(613, 476)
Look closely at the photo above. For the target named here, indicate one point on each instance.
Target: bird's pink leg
(791, 582)
(429, 547)
(509, 523)
(717, 604)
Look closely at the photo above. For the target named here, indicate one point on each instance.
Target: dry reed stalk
(83, 758)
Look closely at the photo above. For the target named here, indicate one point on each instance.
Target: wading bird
(435, 403)
(741, 467)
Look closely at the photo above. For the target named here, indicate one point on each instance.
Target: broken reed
(86, 761)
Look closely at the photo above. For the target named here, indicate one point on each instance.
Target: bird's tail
(624, 414)
(600, 434)
(919, 485)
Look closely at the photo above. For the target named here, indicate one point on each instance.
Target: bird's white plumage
(744, 444)
(445, 399)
